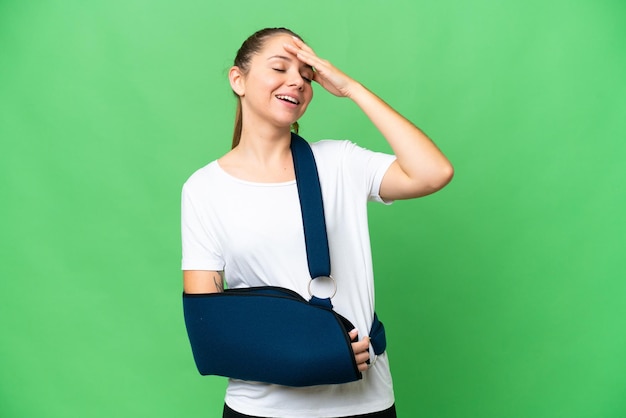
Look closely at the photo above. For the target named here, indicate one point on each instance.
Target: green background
(504, 294)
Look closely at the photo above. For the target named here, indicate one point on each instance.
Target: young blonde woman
(241, 221)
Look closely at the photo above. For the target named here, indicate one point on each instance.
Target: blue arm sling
(273, 334)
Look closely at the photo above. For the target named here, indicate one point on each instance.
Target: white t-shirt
(253, 231)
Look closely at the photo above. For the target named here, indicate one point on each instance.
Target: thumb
(353, 334)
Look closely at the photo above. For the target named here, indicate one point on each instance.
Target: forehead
(274, 44)
(273, 49)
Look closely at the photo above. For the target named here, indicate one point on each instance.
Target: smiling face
(276, 87)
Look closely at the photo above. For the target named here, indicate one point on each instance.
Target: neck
(261, 157)
(264, 145)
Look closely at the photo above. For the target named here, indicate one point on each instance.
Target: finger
(362, 357)
(361, 346)
(300, 43)
(299, 47)
(353, 334)
(307, 57)
(361, 361)
(303, 52)
(361, 352)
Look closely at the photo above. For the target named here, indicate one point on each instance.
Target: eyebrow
(285, 58)
(282, 57)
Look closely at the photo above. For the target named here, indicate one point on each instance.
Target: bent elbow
(398, 185)
(438, 181)
(447, 173)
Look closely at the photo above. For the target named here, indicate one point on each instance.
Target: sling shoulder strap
(312, 207)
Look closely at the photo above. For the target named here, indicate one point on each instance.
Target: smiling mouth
(287, 99)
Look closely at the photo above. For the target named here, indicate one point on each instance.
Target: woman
(241, 221)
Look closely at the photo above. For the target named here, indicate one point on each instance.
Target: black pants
(388, 413)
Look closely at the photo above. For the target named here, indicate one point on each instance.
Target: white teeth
(288, 98)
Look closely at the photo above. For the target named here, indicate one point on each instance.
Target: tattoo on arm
(218, 279)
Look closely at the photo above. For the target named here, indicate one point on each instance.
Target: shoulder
(348, 152)
(341, 147)
(202, 178)
(330, 145)
(331, 149)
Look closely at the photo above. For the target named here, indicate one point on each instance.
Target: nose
(296, 80)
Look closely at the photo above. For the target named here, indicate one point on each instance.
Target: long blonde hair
(252, 46)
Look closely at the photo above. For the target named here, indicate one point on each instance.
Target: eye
(280, 70)
(307, 76)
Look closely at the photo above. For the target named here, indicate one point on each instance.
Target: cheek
(309, 93)
(309, 98)
(266, 83)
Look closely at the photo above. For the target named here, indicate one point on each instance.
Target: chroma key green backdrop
(504, 294)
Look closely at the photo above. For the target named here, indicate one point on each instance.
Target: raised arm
(420, 167)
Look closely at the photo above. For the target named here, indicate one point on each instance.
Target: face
(277, 87)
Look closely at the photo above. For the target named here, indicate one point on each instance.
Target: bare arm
(203, 281)
(420, 167)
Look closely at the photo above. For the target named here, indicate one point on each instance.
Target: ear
(237, 81)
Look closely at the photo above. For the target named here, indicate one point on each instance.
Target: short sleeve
(201, 251)
(368, 167)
